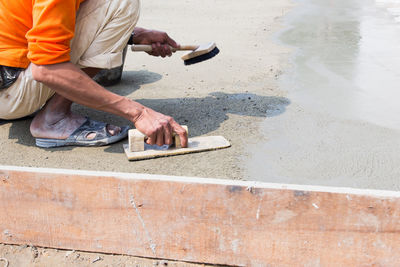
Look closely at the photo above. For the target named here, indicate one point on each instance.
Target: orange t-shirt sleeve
(53, 25)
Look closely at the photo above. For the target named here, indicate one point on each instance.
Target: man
(50, 49)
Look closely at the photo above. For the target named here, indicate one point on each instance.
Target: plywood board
(195, 144)
(199, 220)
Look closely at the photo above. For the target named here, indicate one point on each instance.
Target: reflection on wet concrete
(347, 62)
(343, 125)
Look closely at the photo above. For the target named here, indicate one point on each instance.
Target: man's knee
(102, 32)
(129, 9)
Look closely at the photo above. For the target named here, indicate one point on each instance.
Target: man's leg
(102, 31)
(56, 121)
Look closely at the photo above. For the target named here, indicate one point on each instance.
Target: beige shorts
(102, 30)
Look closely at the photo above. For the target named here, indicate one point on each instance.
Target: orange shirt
(37, 31)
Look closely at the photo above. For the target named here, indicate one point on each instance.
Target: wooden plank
(199, 220)
(195, 144)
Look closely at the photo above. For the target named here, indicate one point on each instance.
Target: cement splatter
(152, 244)
(283, 216)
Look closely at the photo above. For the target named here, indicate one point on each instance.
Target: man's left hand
(160, 41)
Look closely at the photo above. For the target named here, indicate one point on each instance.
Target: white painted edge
(211, 181)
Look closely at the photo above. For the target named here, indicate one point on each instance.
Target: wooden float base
(195, 145)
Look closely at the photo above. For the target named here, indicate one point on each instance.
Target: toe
(91, 136)
(113, 130)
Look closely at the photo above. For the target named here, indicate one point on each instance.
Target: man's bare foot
(56, 121)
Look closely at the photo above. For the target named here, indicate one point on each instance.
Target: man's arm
(72, 83)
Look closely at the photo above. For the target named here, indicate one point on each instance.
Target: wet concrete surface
(348, 62)
(343, 125)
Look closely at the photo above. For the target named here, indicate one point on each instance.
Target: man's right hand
(159, 128)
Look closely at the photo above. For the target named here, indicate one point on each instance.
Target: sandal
(79, 136)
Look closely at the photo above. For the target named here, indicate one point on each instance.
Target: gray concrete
(343, 125)
(331, 119)
(229, 95)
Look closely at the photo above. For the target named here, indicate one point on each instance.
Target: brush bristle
(202, 58)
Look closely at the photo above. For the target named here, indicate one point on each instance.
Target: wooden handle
(136, 140)
(177, 139)
(148, 48)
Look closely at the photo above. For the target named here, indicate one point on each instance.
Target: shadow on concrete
(133, 80)
(202, 115)
(20, 130)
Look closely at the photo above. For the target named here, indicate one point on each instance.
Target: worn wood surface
(209, 221)
(135, 140)
(195, 144)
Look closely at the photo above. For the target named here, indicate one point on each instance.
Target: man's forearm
(72, 83)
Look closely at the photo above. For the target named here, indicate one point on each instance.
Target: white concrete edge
(198, 180)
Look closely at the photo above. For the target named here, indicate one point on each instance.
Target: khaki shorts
(102, 30)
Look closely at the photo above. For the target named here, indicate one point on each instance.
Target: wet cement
(343, 125)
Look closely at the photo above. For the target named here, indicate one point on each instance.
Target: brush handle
(148, 48)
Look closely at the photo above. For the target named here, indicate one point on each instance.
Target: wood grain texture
(221, 223)
(195, 144)
(149, 48)
(199, 51)
(135, 140)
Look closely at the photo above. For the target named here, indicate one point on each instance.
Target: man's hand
(159, 128)
(160, 41)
